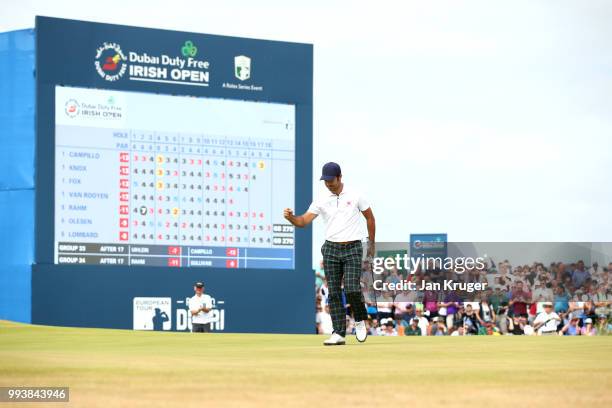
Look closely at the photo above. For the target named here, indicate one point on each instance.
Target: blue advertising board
(164, 158)
(428, 245)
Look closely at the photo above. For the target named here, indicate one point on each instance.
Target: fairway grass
(122, 368)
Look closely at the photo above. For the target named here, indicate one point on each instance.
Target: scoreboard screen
(162, 180)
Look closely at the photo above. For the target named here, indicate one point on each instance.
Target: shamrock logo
(189, 50)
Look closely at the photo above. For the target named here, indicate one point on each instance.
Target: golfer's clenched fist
(299, 221)
(288, 213)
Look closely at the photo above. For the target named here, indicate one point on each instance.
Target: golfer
(342, 251)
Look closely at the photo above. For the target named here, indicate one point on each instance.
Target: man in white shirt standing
(546, 322)
(341, 209)
(200, 306)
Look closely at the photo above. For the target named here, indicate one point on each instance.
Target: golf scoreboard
(175, 181)
(164, 158)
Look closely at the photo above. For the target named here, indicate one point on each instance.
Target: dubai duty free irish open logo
(71, 108)
(110, 61)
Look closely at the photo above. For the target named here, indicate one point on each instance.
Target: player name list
(143, 198)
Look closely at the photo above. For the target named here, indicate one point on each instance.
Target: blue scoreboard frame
(249, 300)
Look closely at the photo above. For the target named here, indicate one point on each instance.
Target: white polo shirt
(552, 320)
(198, 302)
(342, 214)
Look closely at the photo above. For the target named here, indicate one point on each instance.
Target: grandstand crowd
(558, 299)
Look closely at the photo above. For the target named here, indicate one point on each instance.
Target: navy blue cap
(199, 285)
(330, 171)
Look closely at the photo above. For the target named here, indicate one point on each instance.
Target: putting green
(109, 368)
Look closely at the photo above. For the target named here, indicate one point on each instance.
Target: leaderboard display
(161, 180)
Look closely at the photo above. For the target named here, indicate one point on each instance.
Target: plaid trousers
(343, 261)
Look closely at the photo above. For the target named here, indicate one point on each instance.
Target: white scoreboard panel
(148, 179)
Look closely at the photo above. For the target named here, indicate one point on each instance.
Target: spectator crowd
(558, 299)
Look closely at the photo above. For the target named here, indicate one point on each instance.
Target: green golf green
(111, 368)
